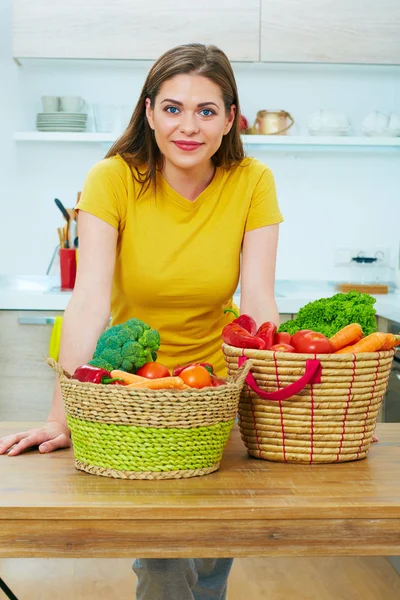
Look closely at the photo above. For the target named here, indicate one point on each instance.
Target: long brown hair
(137, 145)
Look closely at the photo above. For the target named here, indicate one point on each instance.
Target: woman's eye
(172, 110)
(207, 112)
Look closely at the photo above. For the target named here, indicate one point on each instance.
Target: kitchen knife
(64, 211)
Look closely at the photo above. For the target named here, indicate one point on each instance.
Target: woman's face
(189, 120)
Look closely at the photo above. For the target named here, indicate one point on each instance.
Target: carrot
(161, 383)
(371, 343)
(391, 341)
(349, 335)
(127, 377)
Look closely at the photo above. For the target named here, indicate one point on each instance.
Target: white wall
(331, 198)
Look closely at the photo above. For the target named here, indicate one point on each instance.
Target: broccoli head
(329, 315)
(127, 346)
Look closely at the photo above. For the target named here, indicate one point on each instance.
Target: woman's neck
(189, 183)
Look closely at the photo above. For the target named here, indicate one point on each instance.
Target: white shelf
(317, 140)
(56, 136)
(248, 140)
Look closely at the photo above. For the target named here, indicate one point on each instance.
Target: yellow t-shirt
(178, 262)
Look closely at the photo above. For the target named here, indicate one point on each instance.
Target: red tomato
(153, 370)
(312, 343)
(196, 376)
(282, 348)
(299, 334)
(282, 338)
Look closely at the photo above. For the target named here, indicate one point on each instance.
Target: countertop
(43, 293)
(249, 507)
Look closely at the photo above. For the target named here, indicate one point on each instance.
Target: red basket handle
(311, 375)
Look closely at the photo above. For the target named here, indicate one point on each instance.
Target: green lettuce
(329, 315)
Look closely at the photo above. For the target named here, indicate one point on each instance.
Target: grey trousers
(182, 578)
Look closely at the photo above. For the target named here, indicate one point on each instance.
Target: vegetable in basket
(282, 338)
(162, 383)
(329, 315)
(351, 334)
(179, 368)
(196, 376)
(89, 374)
(153, 370)
(127, 346)
(311, 342)
(235, 335)
(371, 343)
(127, 378)
(267, 332)
(245, 321)
(282, 347)
(392, 341)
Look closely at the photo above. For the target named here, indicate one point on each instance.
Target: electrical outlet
(342, 256)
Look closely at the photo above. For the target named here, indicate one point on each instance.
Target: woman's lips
(187, 146)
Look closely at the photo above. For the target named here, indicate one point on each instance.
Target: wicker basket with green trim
(149, 434)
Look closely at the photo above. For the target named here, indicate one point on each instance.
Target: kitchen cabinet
(27, 382)
(331, 31)
(285, 317)
(390, 408)
(133, 29)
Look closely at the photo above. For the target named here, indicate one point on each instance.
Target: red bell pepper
(266, 332)
(245, 321)
(217, 381)
(235, 335)
(88, 373)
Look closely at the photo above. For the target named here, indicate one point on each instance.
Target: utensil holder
(67, 268)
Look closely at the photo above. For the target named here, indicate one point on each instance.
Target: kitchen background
(332, 197)
(337, 199)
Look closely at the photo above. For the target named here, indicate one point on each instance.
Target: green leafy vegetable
(126, 347)
(329, 315)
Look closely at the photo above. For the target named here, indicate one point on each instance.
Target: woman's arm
(88, 312)
(258, 267)
(85, 317)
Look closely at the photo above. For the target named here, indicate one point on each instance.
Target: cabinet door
(285, 317)
(27, 382)
(333, 31)
(133, 29)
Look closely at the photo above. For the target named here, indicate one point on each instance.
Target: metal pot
(272, 122)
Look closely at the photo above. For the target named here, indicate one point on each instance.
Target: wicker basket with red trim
(309, 408)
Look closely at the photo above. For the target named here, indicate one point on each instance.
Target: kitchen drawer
(27, 382)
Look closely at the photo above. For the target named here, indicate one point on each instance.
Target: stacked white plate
(329, 131)
(61, 121)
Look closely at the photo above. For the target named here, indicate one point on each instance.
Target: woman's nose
(188, 124)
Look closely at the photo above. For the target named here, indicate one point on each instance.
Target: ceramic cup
(50, 103)
(72, 103)
(375, 123)
(394, 124)
(105, 117)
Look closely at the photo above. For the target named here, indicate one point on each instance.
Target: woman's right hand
(52, 436)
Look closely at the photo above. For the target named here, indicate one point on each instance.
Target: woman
(164, 220)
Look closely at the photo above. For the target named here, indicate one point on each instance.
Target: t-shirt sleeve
(104, 193)
(264, 209)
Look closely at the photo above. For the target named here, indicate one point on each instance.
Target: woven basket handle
(62, 373)
(312, 375)
(240, 376)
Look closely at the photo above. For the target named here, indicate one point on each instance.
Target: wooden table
(248, 508)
